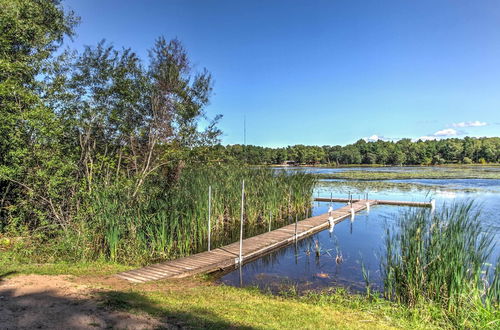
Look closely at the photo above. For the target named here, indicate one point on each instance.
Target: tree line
(468, 150)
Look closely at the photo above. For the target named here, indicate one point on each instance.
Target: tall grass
(168, 222)
(442, 259)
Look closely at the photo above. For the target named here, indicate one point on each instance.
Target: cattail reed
(167, 223)
(442, 257)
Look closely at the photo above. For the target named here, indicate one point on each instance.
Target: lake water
(360, 241)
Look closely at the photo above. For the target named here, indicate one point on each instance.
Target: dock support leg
(296, 220)
(332, 224)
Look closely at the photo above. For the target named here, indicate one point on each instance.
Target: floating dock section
(375, 202)
(256, 246)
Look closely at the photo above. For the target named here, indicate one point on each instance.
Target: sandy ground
(62, 302)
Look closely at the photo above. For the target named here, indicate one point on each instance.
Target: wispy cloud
(374, 138)
(443, 133)
(446, 132)
(476, 123)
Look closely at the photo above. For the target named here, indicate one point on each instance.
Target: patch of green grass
(220, 307)
(12, 267)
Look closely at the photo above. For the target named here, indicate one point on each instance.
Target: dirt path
(62, 302)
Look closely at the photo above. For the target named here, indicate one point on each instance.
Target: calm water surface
(360, 241)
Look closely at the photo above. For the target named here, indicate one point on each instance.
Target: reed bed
(173, 222)
(443, 259)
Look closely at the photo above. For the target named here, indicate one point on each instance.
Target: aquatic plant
(168, 223)
(431, 173)
(366, 277)
(442, 258)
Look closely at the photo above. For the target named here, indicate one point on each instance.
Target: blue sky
(326, 72)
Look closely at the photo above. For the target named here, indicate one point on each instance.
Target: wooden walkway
(253, 247)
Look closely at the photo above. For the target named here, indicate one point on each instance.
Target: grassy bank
(227, 307)
(198, 303)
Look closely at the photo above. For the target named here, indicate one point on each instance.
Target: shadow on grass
(54, 308)
(193, 318)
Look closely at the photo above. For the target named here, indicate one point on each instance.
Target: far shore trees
(403, 152)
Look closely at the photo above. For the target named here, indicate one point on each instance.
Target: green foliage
(163, 224)
(32, 168)
(443, 258)
(81, 123)
(403, 152)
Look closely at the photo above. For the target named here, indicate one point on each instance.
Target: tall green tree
(30, 133)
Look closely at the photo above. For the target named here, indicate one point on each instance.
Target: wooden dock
(253, 247)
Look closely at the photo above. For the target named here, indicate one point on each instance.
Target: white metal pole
(241, 220)
(270, 219)
(209, 213)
